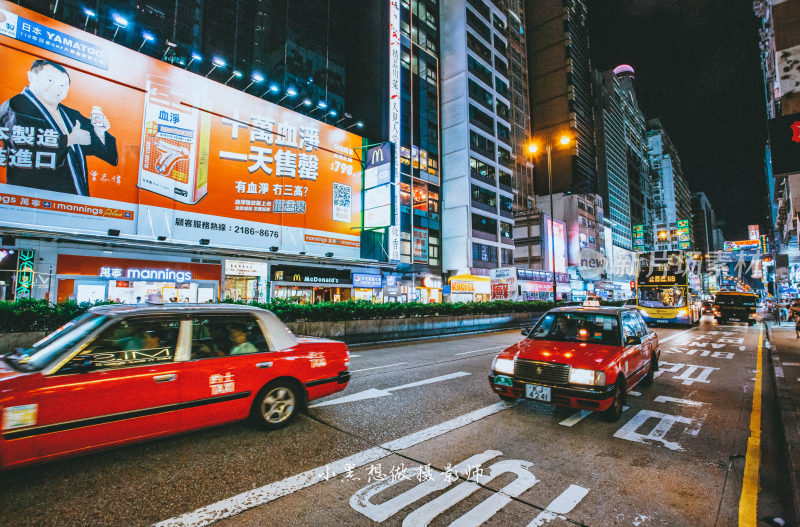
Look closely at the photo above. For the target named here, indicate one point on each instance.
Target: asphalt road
(419, 437)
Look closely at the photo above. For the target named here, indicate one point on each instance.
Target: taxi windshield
(662, 297)
(591, 328)
(47, 349)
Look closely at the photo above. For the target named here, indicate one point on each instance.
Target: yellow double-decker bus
(667, 288)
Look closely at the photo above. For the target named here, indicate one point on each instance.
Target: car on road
(735, 305)
(120, 374)
(579, 357)
(708, 306)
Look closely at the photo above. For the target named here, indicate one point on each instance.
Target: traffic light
(633, 284)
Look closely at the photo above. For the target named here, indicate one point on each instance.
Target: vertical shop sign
(394, 120)
(25, 262)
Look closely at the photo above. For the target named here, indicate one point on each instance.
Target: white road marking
(778, 371)
(576, 418)
(374, 392)
(791, 363)
(676, 335)
(659, 431)
(354, 356)
(741, 348)
(560, 506)
(635, 394)
(668, 399)
(484, 349)
(379, 367)
(270, 492)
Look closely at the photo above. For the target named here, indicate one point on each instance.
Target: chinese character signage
(420, 248)
(25, 264)
(106, 138)
(753, 232)
(741, 244)
(394, 120)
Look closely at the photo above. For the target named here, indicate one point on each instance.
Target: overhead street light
(120, 22)
(359, 124)
(254, 78)
(273, 88)
(236, 73)
(146, 37)
(195, 57)
(345, 116)
(89, 14)
(290, 92)
(216, 62)
(304, 102)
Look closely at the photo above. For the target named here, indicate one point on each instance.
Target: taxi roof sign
(591, 303)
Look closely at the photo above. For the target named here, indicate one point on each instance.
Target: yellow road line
(748, 501)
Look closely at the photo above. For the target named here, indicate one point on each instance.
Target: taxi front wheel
(614, 411)
(275, 406)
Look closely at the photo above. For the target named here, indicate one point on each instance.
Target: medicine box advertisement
(95, 136)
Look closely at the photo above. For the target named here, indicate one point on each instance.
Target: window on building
(484, 224)
(506, 230)
(501, 87)
(484, 253)
(483, 195)
(479, 48)
(481, 144)
(479, 70)
(502, 110)
(503, 133)
(480, 119)
(507, 204)
(482, 96)
(478, 26)
(503, 156)
(507, 256)
(481, 170)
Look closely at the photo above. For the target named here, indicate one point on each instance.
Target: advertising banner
(784, 144)
(96, 137)
(503, 283)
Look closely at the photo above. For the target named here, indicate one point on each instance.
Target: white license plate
(537, 393)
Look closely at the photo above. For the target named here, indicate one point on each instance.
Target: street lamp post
(533, 148)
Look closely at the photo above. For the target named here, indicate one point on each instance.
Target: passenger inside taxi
(241, 346)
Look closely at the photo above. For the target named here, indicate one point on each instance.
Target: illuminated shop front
(368, 286)
(310, 284)
(129, 281)
(535, 284)
(246, 281)
(470, 288)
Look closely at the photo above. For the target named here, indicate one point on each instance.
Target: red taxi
(585, 357)
(122, 374)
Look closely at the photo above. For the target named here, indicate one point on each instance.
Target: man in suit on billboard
(45, 143)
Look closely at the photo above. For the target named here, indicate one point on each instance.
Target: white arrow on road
(374, 393)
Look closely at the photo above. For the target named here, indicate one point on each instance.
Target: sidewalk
(783, 358)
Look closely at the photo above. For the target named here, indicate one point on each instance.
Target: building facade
(478, 167)
(671, 195)
(703, 222)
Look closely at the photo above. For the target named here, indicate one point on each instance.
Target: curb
(787, 412)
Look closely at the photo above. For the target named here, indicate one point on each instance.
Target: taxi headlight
(589, 377)
(504, 366)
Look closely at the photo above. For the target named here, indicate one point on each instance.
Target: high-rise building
(671, 197)
(476, 138)
(703, 223)
(780, 52)
(622, 167)
(559, 79)
(372, 91)
(517, 55)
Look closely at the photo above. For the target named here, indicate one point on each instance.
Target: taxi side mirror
(633, 340)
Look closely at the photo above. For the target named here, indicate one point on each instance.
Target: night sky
(698, 70)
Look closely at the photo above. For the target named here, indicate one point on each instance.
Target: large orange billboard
(96, 137)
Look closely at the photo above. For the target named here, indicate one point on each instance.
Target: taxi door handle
(169, 377)
(263, 365)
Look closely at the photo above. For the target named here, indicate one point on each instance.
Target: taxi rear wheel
(275, 406)
(614, 411)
